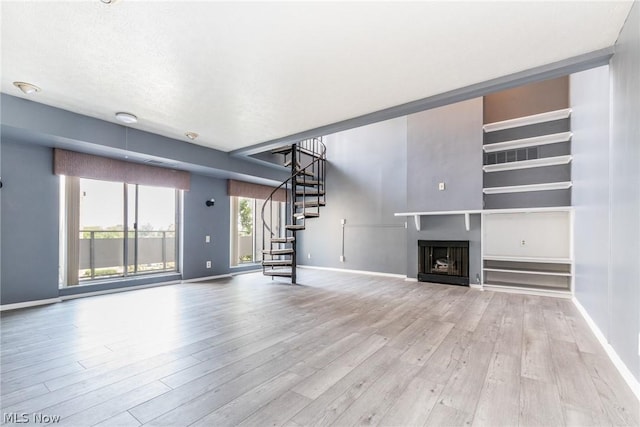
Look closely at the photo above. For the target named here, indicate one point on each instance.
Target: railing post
(164, 250)
(92, 254)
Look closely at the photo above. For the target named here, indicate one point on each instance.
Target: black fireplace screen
(443, 261)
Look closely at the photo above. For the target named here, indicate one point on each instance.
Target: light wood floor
(342, 349)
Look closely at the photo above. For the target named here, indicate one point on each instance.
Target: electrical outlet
(208, 264)
(207, 239)
(441, 186)
(341, 258)
(522, 243)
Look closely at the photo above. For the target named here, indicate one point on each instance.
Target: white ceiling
(241, 73)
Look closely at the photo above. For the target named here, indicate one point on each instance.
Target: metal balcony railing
(102, 253)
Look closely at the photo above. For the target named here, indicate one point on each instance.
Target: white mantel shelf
(417, 216)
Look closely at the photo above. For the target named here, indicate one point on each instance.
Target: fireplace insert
(443, 261)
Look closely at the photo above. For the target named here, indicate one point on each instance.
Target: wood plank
(374, 403)
(321, 381)
(414, 405)
(499, 402)
(331, 404)
(539, 404)
(536, 356)
(578, 393)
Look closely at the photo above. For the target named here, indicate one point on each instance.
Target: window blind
(71, 163)
(254, 191)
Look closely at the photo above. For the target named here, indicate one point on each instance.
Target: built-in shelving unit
(536, 148)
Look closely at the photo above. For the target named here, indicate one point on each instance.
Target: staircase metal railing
(304, 194)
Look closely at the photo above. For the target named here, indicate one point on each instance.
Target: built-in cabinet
(528, 249)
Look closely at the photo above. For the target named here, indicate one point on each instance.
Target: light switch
(441, 186)
(207, 239)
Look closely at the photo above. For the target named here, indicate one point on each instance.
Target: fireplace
(443, 261)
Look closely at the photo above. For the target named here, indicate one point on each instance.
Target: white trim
(220, 276)
(541, 273)
(528, 120)
(633, 383)
(410, 279)
(471, 211)
(529, 187)
(527, 259)
(27, 304)
(117, 290)
(527, 291)
(476, 287)
(345, 270)
(488, 211)
(534, 141)
(528, 164)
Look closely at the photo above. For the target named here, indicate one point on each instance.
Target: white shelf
(526, 188)
(535, 272)
(528, 120)
(433, 213)
(527, 164)
(535, 141)
(541, 260)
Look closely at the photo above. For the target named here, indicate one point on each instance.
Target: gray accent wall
(29, 224)
(365, 186)
(624, 164)
(200, 221)
(590, 170)
(445, 145)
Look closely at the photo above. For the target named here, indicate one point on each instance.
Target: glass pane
(245, 230)
(156, 226)
(101, 229)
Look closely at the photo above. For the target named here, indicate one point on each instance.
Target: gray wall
(29, 224)
(445, 145)
(625, 194)
(200, 221)
(366, 186)
(590, 171)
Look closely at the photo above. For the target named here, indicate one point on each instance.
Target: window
(117, 230)
(247, 229)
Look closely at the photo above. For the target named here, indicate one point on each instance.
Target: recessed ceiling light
(26, 88)
(191, 135)
(127, 118)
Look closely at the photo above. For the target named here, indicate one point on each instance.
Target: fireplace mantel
(417, 216)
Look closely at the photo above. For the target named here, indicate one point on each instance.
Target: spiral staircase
(303, 194)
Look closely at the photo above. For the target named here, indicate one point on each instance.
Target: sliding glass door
(119, 230)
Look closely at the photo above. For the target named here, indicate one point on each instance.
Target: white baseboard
(27, 304)
(202, 279)
(344, 270)
(611, 352)
(116, 290)
(410, 279)
(527, 291)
